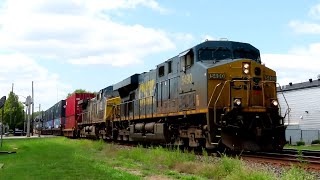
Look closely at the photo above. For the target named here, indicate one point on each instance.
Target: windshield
(246, 53)
(214, 54)
(221, 53)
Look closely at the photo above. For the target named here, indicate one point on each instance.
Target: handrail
(213, 94)
(289, 109)
(215, 104)
(265, 82)
(263, 93)
(214, 107)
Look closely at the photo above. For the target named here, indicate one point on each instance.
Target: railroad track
(306, 158)
(302, 152)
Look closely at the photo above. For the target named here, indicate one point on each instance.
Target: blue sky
(64, 45)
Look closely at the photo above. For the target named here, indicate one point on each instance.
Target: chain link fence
(295, 135)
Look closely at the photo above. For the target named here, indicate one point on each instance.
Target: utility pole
(32, 108)
(2, 124)
(25, 119)
(39, 122)
(2, 101)
(11, 110)
(28, 104)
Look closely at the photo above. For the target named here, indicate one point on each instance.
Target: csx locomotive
(215, 94)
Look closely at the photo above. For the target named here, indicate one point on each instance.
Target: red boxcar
(72, 113)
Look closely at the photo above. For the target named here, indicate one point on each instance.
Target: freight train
(215, 94)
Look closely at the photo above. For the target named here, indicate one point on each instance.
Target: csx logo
(186, 79)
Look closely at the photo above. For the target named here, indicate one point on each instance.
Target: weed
(296, 173)
(230, 164)
(205, 155)
(250, 175)
(98, 145)
(300, 155)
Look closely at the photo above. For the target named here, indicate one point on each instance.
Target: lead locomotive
(216, 93)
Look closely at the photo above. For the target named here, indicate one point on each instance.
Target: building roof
(308, 84)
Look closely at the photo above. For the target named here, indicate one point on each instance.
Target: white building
(303, 119)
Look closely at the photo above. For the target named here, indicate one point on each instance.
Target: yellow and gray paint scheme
(217, 93)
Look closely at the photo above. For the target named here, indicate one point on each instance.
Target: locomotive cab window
(219, 53)
(247, 53)
(189, 61)
(186, 59)
(169, 67)
(161, 71)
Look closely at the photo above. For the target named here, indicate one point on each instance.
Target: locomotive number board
(216, 76)
(270, 78)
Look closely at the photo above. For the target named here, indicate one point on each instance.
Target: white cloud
(307, 27)
(304, 27)
(79, 31)
(21, 70)
(298, 65)
(209, 37)
(301, 63)
(95, 5)
(76, 32)
(315, 12)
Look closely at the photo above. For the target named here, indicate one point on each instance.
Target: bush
(316, 141)
(300, 143)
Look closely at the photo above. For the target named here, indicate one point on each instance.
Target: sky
(63, 45)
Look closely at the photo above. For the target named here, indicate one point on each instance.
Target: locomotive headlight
(275, 103)
(237, 102)
(246, 68)
(246, 65)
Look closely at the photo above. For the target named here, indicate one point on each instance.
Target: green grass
(62, 158)
(314, 147)
(296, 173)
(227, 168)
(164, 158)
(56, 158)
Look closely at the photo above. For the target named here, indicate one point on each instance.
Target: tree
(35, 114)
(78, 91)
(13, 112)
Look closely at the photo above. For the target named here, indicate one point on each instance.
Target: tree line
(14, 112)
